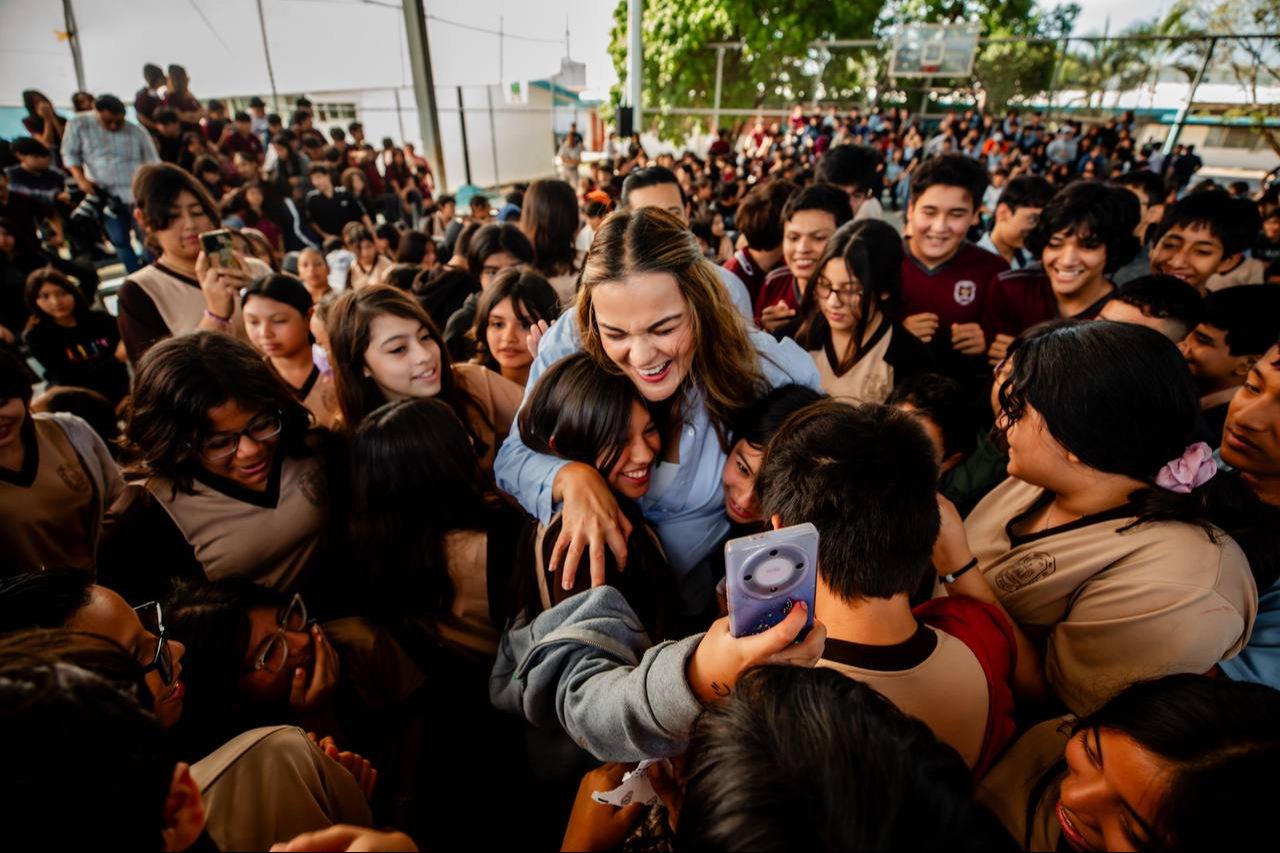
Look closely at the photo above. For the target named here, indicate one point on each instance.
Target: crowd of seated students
(407, 530)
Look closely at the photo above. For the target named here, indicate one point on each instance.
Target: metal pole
(1179, 122)
(73, 41)
(493, 135)
(715, 105)
(424, 88)
(266, 52)
(501, 53)
(466, 151)
(635, 61)
(399, 113)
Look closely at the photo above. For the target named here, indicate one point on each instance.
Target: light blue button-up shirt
(109, 158)
(689, 512)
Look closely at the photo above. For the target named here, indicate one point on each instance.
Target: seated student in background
(1148, 188)
(759, 221)
(789, 736)
(950, 661)
(1239, 325)
(182, 290)
(1016, 215)
(845, 315)
(369, 266)
(941, 406)
(1266, 247)
(752, 431)
(1201, 234)
(277, 318)
(516, 302)
(581, 413)
(1083, 234)
(1251, 445)
(313, 270)
(1106, 543)
(1161, 302)
(809, 219)
(75, 344)
(385, 348)
(77, 704)
(57, 480)
(1149, 770)
(228, 479)
(946, 279)
(492, 249)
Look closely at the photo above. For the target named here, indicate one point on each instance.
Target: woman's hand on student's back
(599, 826)
(721, 658)
(591, 521)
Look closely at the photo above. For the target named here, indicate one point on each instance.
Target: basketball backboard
(934, 50)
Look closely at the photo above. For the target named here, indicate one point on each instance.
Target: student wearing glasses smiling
(228, 478)
(844, 318)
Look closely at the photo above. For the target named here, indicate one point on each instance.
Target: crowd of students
(410, 520)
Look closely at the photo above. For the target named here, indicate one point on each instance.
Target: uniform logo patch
(1029, 569)
(966, 291)
(74, 477)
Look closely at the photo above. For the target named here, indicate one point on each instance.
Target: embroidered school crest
(1031, 568)
(74, 477)
(966, 291)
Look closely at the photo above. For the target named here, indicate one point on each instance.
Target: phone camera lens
(799, 567)
(773, 589)
(746, 577)
(773, 553)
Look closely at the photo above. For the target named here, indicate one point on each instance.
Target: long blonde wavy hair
(725, 364)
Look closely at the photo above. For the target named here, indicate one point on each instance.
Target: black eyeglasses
(823, 290)
(220, 445)
(152, 618)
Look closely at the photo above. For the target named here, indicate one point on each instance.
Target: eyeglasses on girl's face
(221, 445)
(152, 619)
(274, 651)
(848, 293)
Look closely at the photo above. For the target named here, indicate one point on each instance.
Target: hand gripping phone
(766, 574)
(217, 248)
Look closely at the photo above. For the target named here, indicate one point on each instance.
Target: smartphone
(217, 248)
(766, 574)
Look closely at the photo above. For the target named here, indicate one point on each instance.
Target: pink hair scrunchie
(1191, 470)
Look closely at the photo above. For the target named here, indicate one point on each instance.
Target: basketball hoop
(934, 50)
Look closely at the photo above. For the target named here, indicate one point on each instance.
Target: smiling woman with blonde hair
(652, 309)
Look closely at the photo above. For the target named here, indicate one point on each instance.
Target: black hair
(648, 176)
(25, 146)
(1096, 215)
(402, 276)
(319, 169)
(108, 104)
(1025, 191)
(761, 420)
(579, 411)
(413, 248)
(16, 379)
(1249, 314)
(826, 197)
(866, 477)
(43, 599)
(944, 401)
(180, 380)
(1234, 221)
(1165, 297)
(532, 299)
(283, 288)
(241, 115)
(759, 216)
(494, 238)
(872, 253)
(88, 720)
(549, 218)
(1151, 184)
(397, 524)
(387, 231)
(810, 759)
(1216, 739)
(951, 170)
(153, 74)
(849, 165)
(165, 115)
(156, 187)
(50, 275)
(355, 233)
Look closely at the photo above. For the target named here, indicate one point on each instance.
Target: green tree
(776, 66)
(1252, 63)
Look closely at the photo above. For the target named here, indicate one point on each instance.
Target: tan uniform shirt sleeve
(1129, 628)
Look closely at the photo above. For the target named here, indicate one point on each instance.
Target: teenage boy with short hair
(858, 170)
(1148, 188)
(1017, 210)
(866, 477)
(1202, 234)
(1239, 325)
(239, 137)
(1161, 302)
(330, 208)
(759, 220)
(809, 219)
(945, 278)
